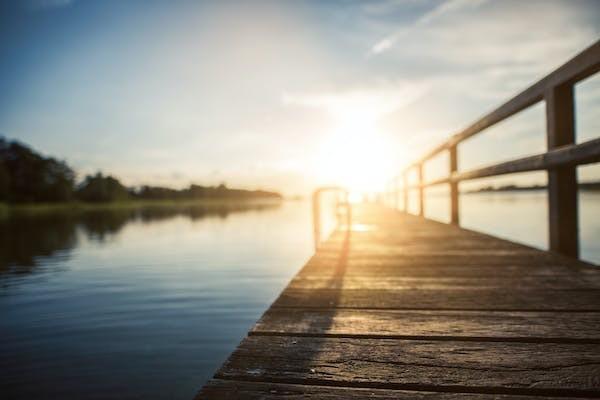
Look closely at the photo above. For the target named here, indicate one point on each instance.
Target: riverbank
(7, 209)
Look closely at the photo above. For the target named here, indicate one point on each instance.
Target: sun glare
(355, 155)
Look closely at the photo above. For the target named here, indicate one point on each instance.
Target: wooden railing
(560, 161)
(343, 210)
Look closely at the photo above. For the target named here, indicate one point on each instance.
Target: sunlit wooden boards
(445, 299)
(418, 364)
(500, 326)
(405, 308)
(233, 390)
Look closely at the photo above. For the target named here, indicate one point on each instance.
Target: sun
(355, 154)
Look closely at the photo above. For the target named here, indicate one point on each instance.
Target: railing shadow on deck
(334, 257)
(560, 161)
(334, 283)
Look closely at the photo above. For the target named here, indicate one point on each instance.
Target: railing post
(386, 194)
(316, 208)
(562, 181)
(421, 189)
(405, 190)
(454, 218)
(396, 193)
(316, 212)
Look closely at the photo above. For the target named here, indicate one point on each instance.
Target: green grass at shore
(32, 208)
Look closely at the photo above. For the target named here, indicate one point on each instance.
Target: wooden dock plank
(461, 257)
(303, 281)
(394, 270)
(237, 390)
(444, 299)
(462, 325)
(519, 368)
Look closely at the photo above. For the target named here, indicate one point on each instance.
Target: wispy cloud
(375, 100)
(447, 7)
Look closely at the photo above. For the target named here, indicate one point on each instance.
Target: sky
(282, 95)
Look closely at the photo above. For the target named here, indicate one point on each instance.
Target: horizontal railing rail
(560, 161)
(342, 202)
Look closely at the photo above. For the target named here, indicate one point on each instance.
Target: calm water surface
(137, 304)
(521, 217)
(148, 303)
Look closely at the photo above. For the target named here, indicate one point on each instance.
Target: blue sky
(281, 95)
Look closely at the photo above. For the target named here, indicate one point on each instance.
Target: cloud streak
(372, 100)
(447, 7)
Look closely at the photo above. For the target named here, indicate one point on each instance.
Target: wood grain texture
(384, 270)
(396, 282)
(240, 390)
(525, 368)
(444, 299)
(472, 325)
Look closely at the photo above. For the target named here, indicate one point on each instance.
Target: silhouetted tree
(99, 188)
(4, 182)
(26, 176)
(158, 193)
(196, 191)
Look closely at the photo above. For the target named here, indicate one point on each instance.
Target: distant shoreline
(587, 186)
(27, 177)
(6, 208)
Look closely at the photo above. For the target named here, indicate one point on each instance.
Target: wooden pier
(400, 307)
(395, 306)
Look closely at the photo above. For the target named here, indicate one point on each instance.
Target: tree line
(28, 177)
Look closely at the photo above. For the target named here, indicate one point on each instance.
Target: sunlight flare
(355, 154)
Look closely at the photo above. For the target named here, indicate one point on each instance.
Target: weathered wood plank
(374, 236)
(463, 325)
(517, 368)
(378, 239)
(238, 390)
(366, 249)
(347, 282)
(419, 248)
(459, 299)
(385, 269)
(458, 257)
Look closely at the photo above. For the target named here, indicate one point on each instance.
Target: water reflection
(28, 235)
(141, 302)
(519, 216)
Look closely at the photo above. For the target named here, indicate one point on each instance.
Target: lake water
(521, 217)
(137, 304)
(148, 303)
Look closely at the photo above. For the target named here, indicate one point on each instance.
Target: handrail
(581, 66)
(579, 154)
(560, 161)
(316, 209)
